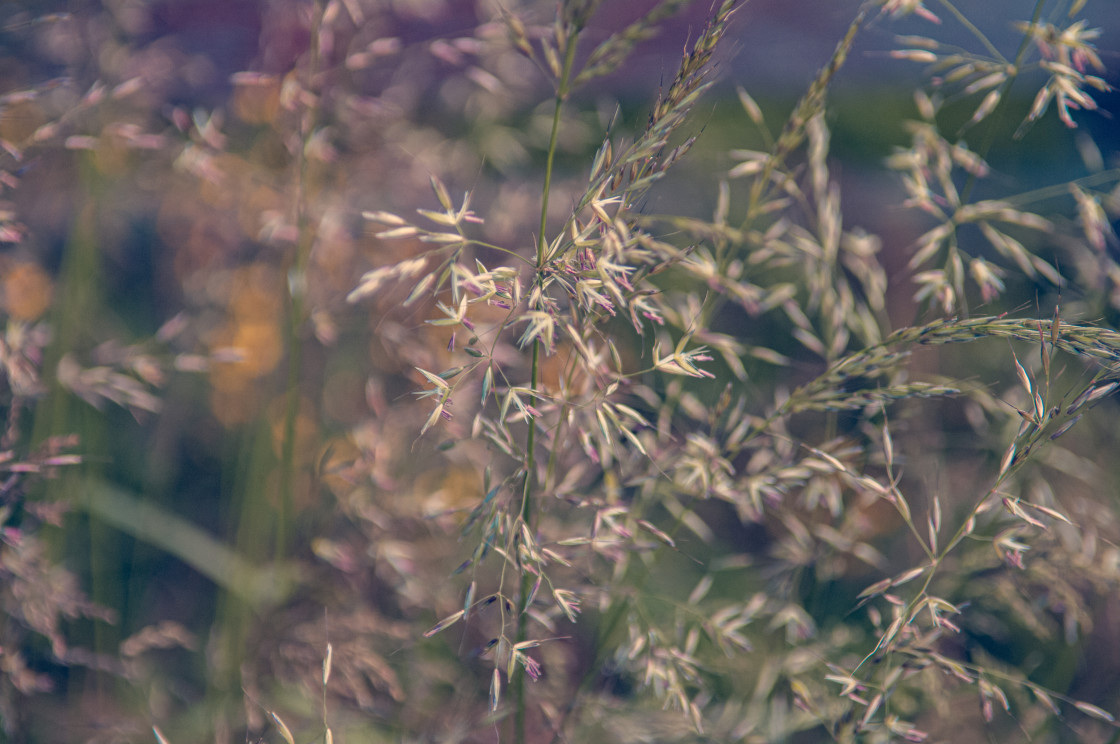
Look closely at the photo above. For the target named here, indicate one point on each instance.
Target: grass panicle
(511, 411)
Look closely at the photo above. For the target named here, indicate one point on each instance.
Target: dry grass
(523, 458)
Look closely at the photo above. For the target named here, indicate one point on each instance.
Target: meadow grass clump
(518, 446)
(623, 458)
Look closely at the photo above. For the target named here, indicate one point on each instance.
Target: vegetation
(397, 388)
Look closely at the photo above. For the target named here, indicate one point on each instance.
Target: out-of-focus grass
(295, 482)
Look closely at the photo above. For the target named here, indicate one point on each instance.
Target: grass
(502, 439)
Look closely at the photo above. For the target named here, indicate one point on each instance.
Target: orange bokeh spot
(253, 329)
(112, 156)
(19, 120)
(27, 291)
(257, 102)
(259, 345)
(257, 294)
(337, 459)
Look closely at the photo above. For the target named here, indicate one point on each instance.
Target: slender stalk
(1001, 107)
(528, 515)
(964, 21)
(297, 288)
(562, 91)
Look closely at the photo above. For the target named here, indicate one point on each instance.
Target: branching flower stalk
(1042, 424)
(995, 101)
(527, 515)
(640, 450)
(791, 513)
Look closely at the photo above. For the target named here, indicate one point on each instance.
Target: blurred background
(162, 176)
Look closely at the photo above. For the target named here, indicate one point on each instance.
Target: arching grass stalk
(563, 88)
